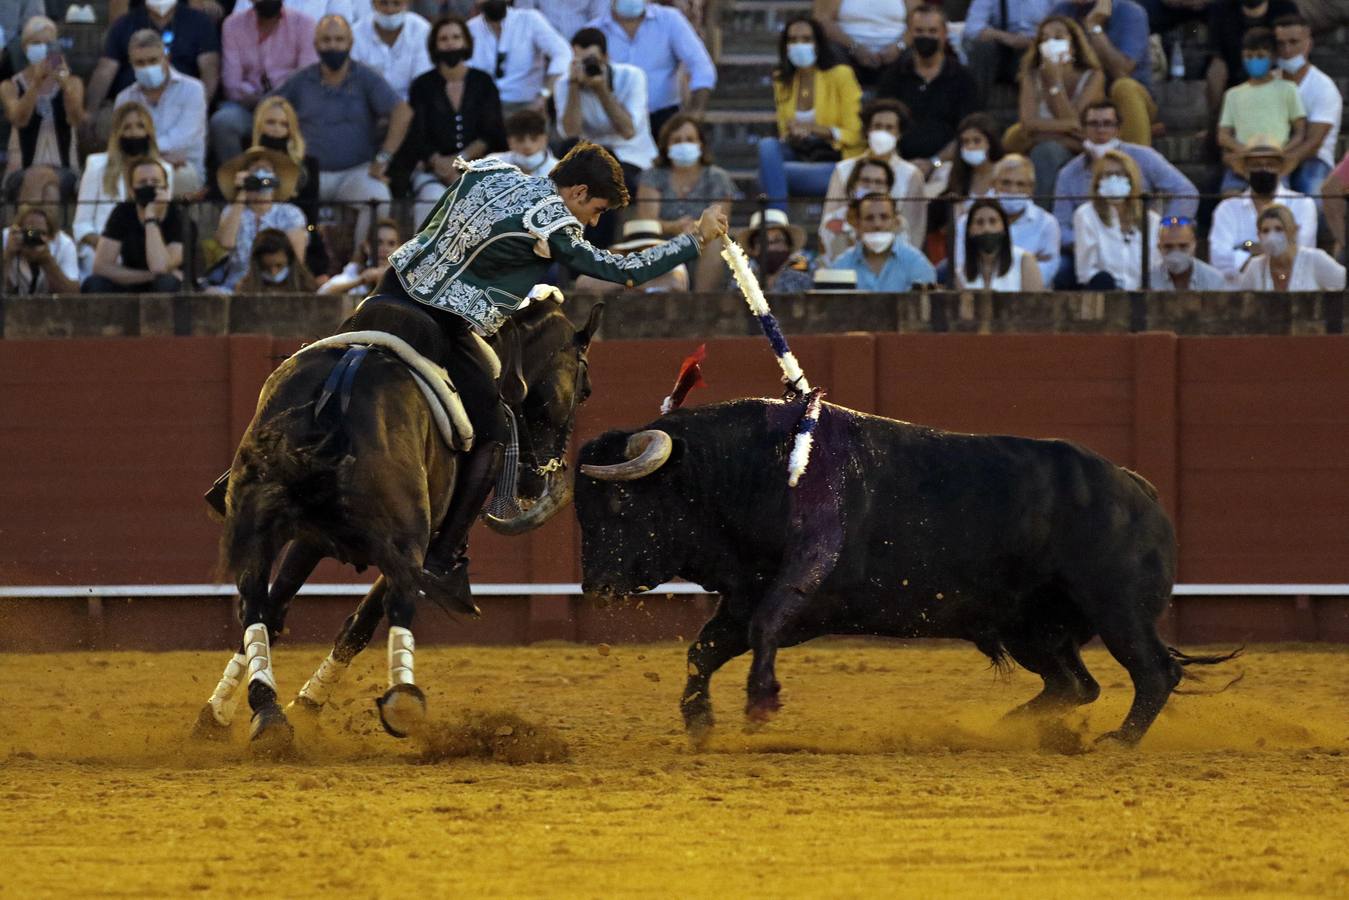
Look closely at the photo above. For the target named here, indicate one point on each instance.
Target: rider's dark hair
(593, 166)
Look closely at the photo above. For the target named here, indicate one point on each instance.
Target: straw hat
(1261, 146)
(773, 218)
(287, 172)
(835, 280)
(638, 234)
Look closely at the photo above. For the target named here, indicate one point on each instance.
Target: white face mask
(277, 277)
(882, 143)
(1177, 262)
(161, 7)
(150, 77)
(1056, 50)
(1098, 150)
(878, 241)
(532, 161)
(974, 158)
(36, 53)
(390, 21)
(685, 153)
(801, 55)
(1275, 243)
(1294, 65)
(1013, 204)
(1114, 187)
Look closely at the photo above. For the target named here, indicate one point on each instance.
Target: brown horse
(366, 481)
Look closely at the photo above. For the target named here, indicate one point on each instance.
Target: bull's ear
(592, 325)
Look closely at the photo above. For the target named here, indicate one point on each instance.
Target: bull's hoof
(402, 710)
(209, 728)
(271, 736)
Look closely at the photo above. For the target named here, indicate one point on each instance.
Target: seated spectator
(971, 172)
(1233, 234)
(1282, 264)
(39, 257)
(1060, 78)
(521, 51)
(1313, 158)
(638, 235)
(659, 40)
(1032, 229)
(992, 261)
(314, 9)
(869, 176)
(103, 183)
(395, 43)
(997, 34)
(274, 267)
(362, 275)
(456, 112)
(1111, 227)
(342, 105)
(276, 127)
(1178, 269)
(680, 185)
(141, 248)
(1263, 106)
(881, 123)
(869, 31)
(190, 34)
(256, 185)
(262, 47)
(1228, 22)
(527, 138)
(817, 101)
(1101, 128)
(177, 103)
(1333, 191)
(777, 262)
(1117, 33)
(882, 261)
(934, 87)
(44, 104)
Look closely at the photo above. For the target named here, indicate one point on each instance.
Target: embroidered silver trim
(647, 257)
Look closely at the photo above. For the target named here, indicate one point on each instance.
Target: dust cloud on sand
(557, 770)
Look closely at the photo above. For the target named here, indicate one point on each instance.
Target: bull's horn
(557, 494)
(647, 451)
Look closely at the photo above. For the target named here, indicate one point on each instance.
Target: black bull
(1028, 548)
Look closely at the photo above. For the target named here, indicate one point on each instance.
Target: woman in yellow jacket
(818, 101)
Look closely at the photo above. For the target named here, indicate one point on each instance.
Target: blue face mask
(629, 9)
(278, 276)
(801, 55)
(1258, 67)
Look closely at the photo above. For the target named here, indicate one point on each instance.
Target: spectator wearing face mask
(1233, 235)
(395, 43)
(44, 104)
(997, 34)
(1176, 268)
(521, 51)
(456, 114)
(772, 241)
(1263, 106)
(141, 248)
(1100, 126)
(1281, 264)
(1117, 32)
(177, 103)
(527, 138)
(970, 173)
(1228, 22)
(191, 38)
(883, 262)
(869, 176)
(277, 127)
(1308, 164)
(313, 9)
(262, 47)
(660, 41)
(1031, 228)
(869, 31)
(256, 186)
(39, 257)
(882, 121)
(275, 268)
(992, 261)
(1111, 227)
(934, 87)
(361, 276)
(817, 100)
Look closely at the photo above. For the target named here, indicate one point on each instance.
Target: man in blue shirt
(1118, 31)
(883, 261)
(997, 33)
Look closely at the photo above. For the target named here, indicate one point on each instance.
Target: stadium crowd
(290, 145)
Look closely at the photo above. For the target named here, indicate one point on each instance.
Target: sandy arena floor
(886, 774)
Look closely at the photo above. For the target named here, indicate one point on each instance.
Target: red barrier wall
(106, 445)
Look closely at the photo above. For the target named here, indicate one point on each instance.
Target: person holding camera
(605, 103)
(256, 184)
(141, 248)
(39, 257)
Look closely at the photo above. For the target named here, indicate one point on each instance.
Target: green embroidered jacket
(492, 237)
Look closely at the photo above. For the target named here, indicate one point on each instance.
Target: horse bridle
(557, 463)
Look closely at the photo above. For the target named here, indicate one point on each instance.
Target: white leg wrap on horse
(400, 656)
(324, 679)
(226, 695)
(258, 649)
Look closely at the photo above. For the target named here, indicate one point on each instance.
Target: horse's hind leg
(402, 709)
(354, 637)
(271, 733)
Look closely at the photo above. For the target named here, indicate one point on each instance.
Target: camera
(33, 238)
(257, 183)
(592, 67)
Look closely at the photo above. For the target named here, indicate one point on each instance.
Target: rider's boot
(446, 562)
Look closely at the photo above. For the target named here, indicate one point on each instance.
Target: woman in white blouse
(1282, 265)
(1110, 228)
(992, 262)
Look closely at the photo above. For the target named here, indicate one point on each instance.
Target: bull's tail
(1185, 660)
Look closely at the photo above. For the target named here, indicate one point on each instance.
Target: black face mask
(274, 143)
(774, 260)
(134, 146)
(267, 9)
(451, 58)
(145, 194)
(494, 10)
(926, 46)
(988, 242)
(1264, 183)
(333, 59)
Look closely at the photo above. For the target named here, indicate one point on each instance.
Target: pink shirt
(1342, 170)
(250, 66)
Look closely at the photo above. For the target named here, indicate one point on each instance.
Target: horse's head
(553, 362)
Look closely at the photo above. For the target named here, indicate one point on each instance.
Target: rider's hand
(711, 224)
